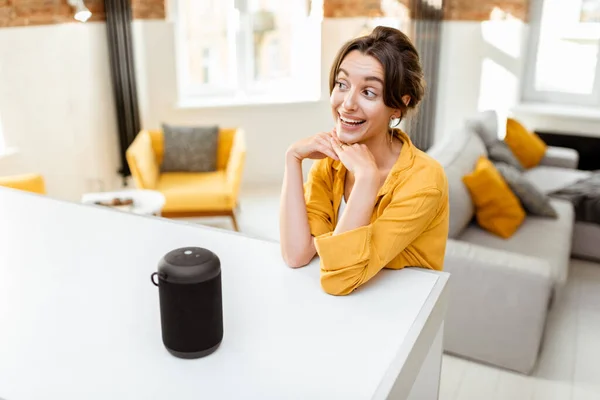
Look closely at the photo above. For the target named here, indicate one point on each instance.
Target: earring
(393, 117)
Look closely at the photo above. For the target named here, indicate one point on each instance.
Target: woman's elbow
(297, 256)
(297, 260)
(294, 262)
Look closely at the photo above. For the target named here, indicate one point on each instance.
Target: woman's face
(357, 99)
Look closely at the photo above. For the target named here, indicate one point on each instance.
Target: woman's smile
(357, 102)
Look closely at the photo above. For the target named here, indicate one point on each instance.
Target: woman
(372, 200)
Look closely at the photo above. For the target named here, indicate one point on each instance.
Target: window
(245, 51)
(563, 66)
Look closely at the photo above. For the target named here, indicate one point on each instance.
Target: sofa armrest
(142, 161)
(497, 306)
(560, 157)
(31, 182)
(235, 164)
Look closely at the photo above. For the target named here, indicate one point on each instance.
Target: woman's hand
(357, 158)
(314, 147)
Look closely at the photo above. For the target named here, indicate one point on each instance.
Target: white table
(146, 202)
(79, 316)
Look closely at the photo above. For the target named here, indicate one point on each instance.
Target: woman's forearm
(360, 205)
(297, 244)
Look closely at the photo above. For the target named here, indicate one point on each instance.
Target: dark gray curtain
(427, 17)
(120, 45)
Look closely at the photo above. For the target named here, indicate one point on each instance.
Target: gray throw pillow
(534, 201)
(485, 124)
(190, 148)
(500, 152)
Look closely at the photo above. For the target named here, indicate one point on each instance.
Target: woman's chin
(349, 136)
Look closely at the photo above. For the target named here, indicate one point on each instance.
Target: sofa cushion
(525, 145)
(586, 237)
(551, 179)
(491, 128)
(485, 125)
(190, 148)
(497, 209)
(534, 200)
(549, 239)
(560, 157)
(188, 191)
(500, 152)
(458, 154)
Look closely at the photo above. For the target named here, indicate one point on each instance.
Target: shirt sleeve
(318, 195)
(351, 258)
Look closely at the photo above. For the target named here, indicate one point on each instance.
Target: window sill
(559, 110)
(8, 152)
(224, 102)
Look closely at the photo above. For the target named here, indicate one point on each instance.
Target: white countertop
(79, 316)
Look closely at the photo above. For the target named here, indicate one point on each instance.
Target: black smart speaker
(191, 306)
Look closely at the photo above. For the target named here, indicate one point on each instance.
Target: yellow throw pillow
(525, 145)
(497, 209)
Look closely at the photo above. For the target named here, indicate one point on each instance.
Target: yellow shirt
(409, 224)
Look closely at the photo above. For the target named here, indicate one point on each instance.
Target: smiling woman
(372, 199)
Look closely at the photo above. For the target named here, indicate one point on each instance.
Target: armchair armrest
(235, 164)
(142, 161)
(560, 157)
(28, 182)
(498, 305)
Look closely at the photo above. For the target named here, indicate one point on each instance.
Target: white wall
(270, 129)
(56, 106)
(480, 68)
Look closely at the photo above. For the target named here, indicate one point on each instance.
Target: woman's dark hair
(400, 61)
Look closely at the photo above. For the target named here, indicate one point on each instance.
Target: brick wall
(46, 12)
(148, 9)
(481, 10)
(351, 8)
(457, 10)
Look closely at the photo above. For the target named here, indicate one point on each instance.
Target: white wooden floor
(569, 365)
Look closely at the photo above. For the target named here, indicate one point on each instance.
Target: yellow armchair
(191, 194)
(28, 182)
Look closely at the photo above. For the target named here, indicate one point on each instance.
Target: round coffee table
(137, 201)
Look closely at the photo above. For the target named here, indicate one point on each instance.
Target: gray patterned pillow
(485, 124)
(500, 152)
(534, 201)
(190, 148)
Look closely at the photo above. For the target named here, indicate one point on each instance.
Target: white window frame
(529, 92)
(305, 83)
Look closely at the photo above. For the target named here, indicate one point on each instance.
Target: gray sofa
(501, 289)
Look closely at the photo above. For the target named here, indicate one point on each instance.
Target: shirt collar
(405, 160)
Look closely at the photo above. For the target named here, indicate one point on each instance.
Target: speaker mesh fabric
(191, 315)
